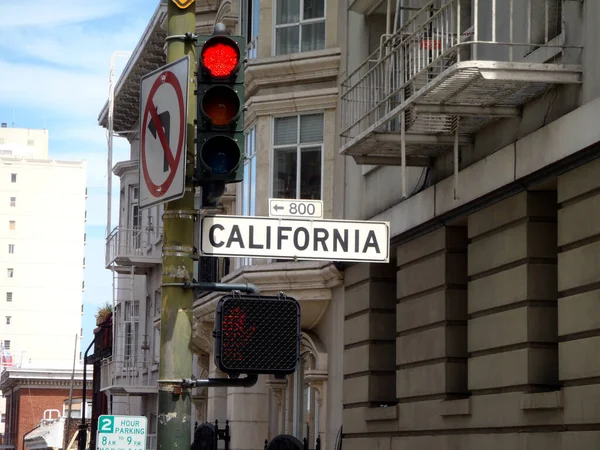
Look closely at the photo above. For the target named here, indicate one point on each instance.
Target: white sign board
(163, 123)
(279, 207)
(121, 433)
(269, 237)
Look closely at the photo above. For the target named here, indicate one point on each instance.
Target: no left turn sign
(163, 108)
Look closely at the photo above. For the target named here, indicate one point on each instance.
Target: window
(10, 272)
(12, 225)
(8, 320)
(297, 153)
(7, 344)
(11, 248)
(9, 296)
(299, 26)
(13, 177)
(13, 201)
(135, 218)
(249, 25)
(248, 186)
(247, 193)
(545, 20)
(3, 418)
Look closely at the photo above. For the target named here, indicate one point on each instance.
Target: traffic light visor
(221, 105)
(220, 57)
(220, 155)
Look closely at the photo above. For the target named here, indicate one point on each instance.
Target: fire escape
(129, 254)
(452, 68)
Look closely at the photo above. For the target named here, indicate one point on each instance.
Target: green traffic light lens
(220, 155)
(221, 105)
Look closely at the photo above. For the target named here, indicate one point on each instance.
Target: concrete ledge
(383, 413)
(539, 149)
(449, 408)
(542, 400)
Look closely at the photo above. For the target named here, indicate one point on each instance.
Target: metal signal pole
(174, 400)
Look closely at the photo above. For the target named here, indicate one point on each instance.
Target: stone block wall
(431, 332)
(497, 330)
(512, 295)
(369, 349)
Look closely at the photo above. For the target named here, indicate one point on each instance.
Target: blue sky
(54, 65)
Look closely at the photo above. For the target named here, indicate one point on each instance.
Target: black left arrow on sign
(165, 122)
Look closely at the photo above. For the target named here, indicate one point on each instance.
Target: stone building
(469, 126)
(482, 332)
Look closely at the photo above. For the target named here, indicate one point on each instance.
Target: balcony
(450, 71)
(127, 247)
(128, 377)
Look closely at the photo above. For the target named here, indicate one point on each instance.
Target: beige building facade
(468, 125)
(481, 333)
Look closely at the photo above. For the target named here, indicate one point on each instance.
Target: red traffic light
(220, 57)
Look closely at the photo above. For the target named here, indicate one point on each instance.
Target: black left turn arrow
(165, 122)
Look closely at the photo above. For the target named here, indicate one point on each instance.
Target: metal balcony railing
(132, 246)
(462, 59)
(128, 376)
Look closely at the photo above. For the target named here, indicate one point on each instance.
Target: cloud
(41, 13)
(89, 49)
(54, 67)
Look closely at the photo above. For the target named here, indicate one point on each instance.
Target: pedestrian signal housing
(257, 334)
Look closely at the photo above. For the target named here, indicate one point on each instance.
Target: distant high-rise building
(42, 240)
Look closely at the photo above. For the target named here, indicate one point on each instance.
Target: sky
(54, 68)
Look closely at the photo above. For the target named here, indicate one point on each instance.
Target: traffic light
(257, 334)
(220, 115)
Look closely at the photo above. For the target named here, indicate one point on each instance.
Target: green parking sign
(121, 433)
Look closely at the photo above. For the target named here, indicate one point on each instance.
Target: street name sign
(280, 207)
(270, 237)
(122, 433)
(163, 123)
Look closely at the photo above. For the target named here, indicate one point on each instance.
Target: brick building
(30, 392)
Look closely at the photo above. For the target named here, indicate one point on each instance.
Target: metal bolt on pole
(174, 402)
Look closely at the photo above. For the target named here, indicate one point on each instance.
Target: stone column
(512, 295)
(579, 301)
(318, 382)
(369, 347)
(431, 351)
(248, 410)
(216, 397)
(279, 390)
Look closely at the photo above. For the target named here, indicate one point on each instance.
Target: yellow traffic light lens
(221, 155)
(221, 105)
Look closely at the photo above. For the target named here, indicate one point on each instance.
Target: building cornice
(39, 378)
(294, 69)
(123, 167)
(292, 102)
(148, 55)
(309, 282)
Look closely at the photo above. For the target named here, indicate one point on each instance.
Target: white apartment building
(42, 240)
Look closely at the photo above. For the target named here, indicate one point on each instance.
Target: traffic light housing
(220, 114)
(257, 335)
